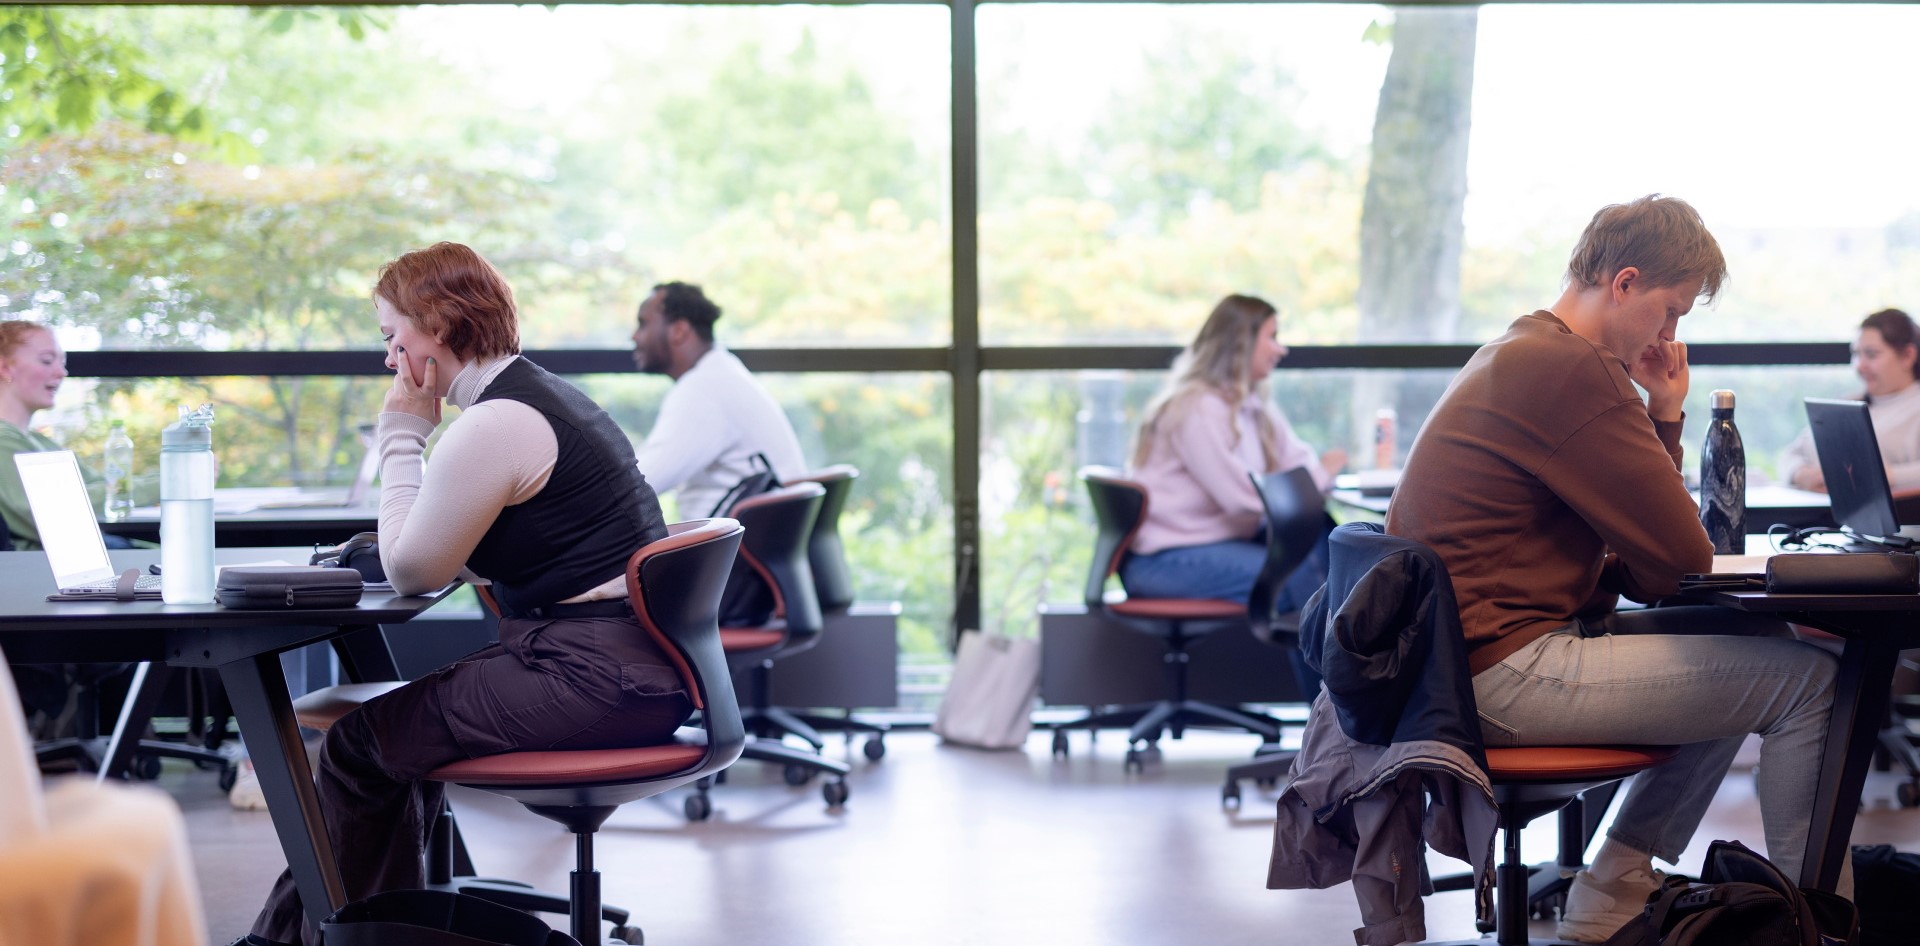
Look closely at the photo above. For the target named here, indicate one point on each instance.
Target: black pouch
(266, 587)
(1860, 573)
(435, 918)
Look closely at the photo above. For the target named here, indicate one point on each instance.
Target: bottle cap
(1723, 400)
(194, 431)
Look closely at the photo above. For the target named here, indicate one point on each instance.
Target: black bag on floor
(435, 918)
(1886, 886)
(1742, 900)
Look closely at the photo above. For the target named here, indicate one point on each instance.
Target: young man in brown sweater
(1550, 487)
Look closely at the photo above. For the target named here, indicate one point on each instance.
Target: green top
(13, 496)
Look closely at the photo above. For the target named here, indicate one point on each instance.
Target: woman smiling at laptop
(1884, 356)
(32, 366)
(532, 486)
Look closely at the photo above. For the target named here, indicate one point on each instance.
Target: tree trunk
(1410, 223)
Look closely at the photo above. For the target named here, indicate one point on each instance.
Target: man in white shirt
(715, 417)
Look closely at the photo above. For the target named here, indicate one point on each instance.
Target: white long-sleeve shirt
(493, 455)
(713, 420)
(1896, 425)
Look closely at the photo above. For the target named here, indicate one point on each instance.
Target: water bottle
(186, 508)
(1723, 481)
(1384, 438)
(118, 464)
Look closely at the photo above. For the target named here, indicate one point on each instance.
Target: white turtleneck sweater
(493, 455)
(1896, 424)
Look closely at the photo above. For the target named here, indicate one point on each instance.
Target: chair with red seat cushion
(778, 524)
(833, 586)
(1119, 509)
(674, 585)
(1531, 781)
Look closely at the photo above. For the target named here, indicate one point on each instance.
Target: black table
(244, 646)
(1766, 505)
(261, 527)
(1876, 628)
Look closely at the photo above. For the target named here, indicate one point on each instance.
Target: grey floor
(941, 845)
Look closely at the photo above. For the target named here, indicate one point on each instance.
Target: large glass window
(1420, 174)
(794, 160)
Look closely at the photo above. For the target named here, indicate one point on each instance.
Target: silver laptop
(356, 492)
(63, 514)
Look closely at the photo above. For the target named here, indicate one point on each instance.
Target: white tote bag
(989, 702)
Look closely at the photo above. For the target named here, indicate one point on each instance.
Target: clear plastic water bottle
(186, 508)
(1723, 481)
(1385, 438)
(118, 466)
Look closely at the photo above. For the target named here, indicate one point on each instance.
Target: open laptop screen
(1850, 460)
(63, 514)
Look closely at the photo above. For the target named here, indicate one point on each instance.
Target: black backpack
(746, 601)
(1886, 886)
(1741, 900)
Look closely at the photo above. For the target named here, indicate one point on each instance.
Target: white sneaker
(245, 794)
(1595, 910)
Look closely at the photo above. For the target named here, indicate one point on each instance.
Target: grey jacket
(1360, 812)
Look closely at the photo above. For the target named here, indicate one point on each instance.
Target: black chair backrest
(832, 580)
(1296, 511)
(1119, 507)
(774, 550)
(675, 585)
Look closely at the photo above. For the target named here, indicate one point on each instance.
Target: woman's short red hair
(454, 294)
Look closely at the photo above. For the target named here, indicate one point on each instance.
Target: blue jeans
(1225, 571)
(1698, 677)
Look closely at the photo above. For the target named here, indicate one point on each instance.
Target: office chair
(1119, 508)
(1296, 516)
(675, 586)
(1527, 782)
(778, 524)
(833, 585)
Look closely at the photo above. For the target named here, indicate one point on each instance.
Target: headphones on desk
(360, 553)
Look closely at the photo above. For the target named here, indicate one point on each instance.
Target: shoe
(245, 794)
(1595, 910)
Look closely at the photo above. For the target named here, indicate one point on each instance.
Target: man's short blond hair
(1663, 237)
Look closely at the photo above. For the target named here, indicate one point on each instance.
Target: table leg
(1860, 696)
(364, 655)
(258, 690)
(143, 697)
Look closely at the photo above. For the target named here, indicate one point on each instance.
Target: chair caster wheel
(698, 807)
(1266, 782)
(875, 748)
(630, 935)
(797, 774)
(229, 774)
(1908, 794)
(1059, 744)
(835, 793)
(1230, 796)
(1136, 760)
(146, 768)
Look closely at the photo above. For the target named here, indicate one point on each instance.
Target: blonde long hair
(1218, 363)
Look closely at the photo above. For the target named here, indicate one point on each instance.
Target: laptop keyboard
(143, 583)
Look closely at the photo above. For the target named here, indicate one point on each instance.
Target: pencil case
(267, 587)
(1859, 573)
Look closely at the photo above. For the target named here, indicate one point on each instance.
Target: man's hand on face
(1662, 371)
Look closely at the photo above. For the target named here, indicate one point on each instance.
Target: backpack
(1742, 900)
(746, 601)
(1886, 886)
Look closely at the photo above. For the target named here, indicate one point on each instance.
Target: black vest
(594, 513)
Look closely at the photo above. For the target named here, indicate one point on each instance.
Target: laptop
(1857, 487)
(63, 513)
(355, 495)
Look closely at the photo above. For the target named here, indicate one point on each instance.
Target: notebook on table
(1857, 486)
(63, 514)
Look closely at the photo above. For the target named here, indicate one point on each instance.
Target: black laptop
(1857, 484)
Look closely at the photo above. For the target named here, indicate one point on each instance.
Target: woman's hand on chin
(406, 397)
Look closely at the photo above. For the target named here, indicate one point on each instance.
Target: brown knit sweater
(1542, 482)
